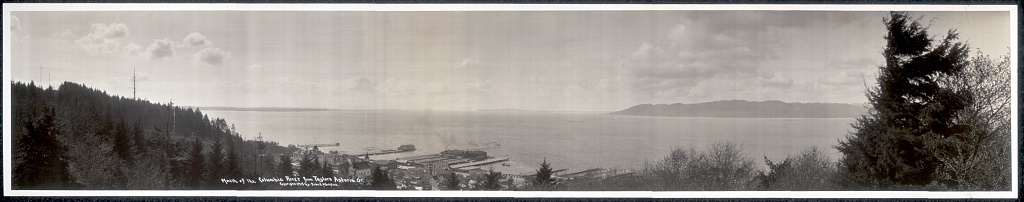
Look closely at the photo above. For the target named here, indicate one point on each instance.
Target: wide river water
(569, 140)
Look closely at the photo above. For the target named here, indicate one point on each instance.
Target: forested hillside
(78, 137)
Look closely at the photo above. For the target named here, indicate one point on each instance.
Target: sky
(469, 60)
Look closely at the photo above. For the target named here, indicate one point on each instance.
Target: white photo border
(8, 8)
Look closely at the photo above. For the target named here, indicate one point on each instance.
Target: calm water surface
(574, 141)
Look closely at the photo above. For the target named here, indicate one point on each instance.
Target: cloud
(395, 87)
(845, 78)
(112, 31)
(16, 30)
(255, 67)
(15, 23)
(679, 31)
(468, 62)
(776, 80)
(691, 52)
(196, 39)
(141, 76)
(104, 39)
(852, 63)
(64, 34)
(134, 50)
(211, 55)
(362, 84)
(160, 49)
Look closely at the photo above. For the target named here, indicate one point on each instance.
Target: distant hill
(747, 109)
(526, 110)
(267, 109)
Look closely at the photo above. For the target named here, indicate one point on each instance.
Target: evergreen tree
(895, 143)
(491, 181)
(285, 168)
(543, 178)
(216, 162)
(308, 166)
(326, 170)
(195, 167)
(452, 182)
(139, 139)
(232, 168)
(380, 180)
(122, 143)
(40, 157)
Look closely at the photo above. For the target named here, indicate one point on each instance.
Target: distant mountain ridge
(267, 109)
(747, 109)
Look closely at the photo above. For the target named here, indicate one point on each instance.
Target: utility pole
(174, 117)
(260, 145)
(167, 151)
(133, 83)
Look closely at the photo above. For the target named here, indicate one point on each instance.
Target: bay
(568, 140)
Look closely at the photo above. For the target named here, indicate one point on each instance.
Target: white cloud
(196, 39)
(777, 80)
(64, 34)
(15, 23)
(846, 78)
(395, 87)
(671, 66)
(362, 84)
(212, 56)
(16, 30)
(112, 31)
(852, 63)
(468, 62)
(104, 39)
(677, 32)
(141, 76)
(160, 49)
(134, 50)
(255, 67)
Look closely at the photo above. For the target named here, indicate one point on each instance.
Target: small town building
(437, 167)
(361, 169)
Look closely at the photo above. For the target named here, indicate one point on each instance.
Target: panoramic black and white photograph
(658, 100)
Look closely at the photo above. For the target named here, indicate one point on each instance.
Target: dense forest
(78, 137)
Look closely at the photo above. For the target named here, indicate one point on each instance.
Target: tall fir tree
(216, 162)
(308, 165)
(231, 164)
(491, 181)
(380, 179)
(326, 170)
(41, 162)
(895, 143)
(123, 143)
(195, 174)
(543, 179)
(285, 167)
(138, 138)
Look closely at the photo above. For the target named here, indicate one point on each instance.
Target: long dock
(479, 163)
(381, 152)
(417, 157)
